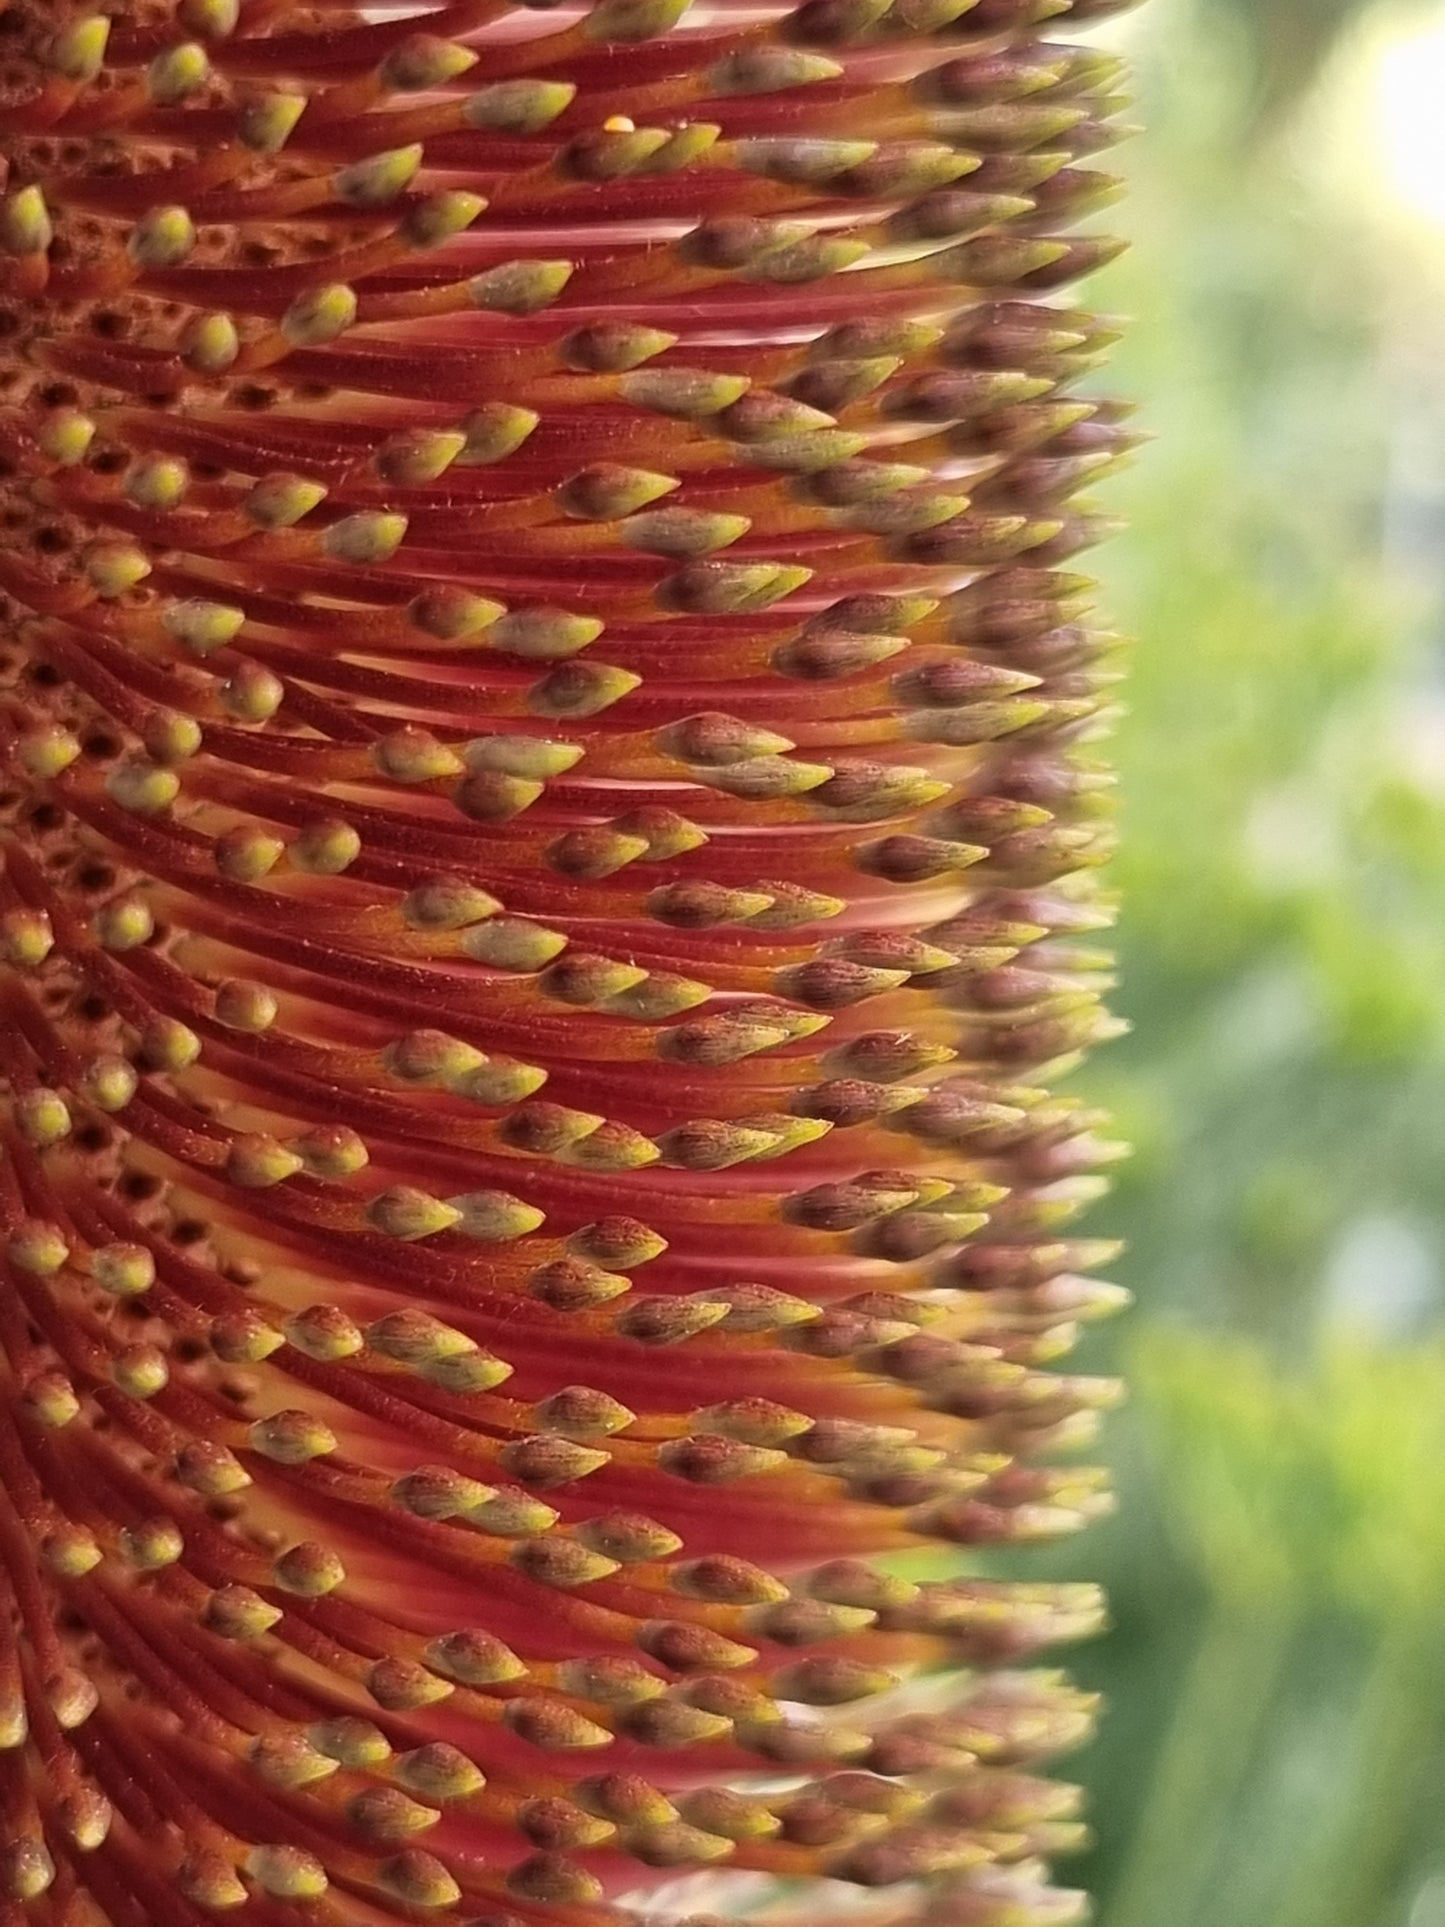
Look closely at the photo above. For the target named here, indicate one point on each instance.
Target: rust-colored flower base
(546, 851)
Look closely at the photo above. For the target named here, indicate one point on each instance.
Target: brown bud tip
(546, 1460)
(710, 1459)
(401, 1686)
(618, 1243)
(418, 1880)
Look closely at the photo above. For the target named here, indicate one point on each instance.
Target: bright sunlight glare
(1410, 101)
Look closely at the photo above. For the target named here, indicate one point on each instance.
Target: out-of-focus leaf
(1277, 1729)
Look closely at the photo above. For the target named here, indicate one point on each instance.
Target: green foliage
(1278, 1722)
(1283, 45)
(1292, 1784)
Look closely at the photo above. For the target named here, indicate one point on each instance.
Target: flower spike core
(547, 872)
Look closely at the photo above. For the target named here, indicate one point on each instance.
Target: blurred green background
(1274, 1755)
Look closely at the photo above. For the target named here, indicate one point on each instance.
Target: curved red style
(548, 828)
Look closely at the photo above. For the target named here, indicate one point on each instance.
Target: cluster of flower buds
(549, 820)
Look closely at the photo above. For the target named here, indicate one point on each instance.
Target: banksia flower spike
(549, 812)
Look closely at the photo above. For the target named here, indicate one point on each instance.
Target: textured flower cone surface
(548, 825)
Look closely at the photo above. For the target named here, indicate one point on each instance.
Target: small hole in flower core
(46, 816)
(107, 461)
(13, 519)
(58, 394)
(100, 746)
(110, 324)
(93, 1138)
(50, 541)
(139, 1186)
(251, 395)
(187, 1351)
(91, 1009)
(190, 1231)
(95, 876)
